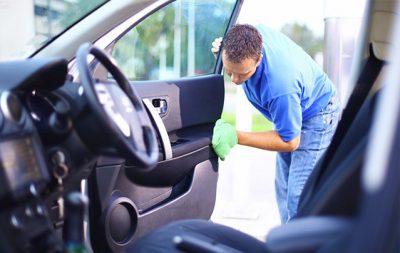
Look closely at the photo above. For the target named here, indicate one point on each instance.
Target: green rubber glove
(224, 138)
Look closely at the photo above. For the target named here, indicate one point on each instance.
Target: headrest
(381, 28)
(381, 34)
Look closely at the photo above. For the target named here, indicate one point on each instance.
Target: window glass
(174, 41)
(41, 21)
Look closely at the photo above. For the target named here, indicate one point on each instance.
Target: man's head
(241, 52)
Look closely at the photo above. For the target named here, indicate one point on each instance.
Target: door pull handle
(160, 105)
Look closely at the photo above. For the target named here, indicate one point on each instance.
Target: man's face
(239, 72)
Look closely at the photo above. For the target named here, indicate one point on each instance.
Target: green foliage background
(138, 51)
(304, 37)
(137, 55)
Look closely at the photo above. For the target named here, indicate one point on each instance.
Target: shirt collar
(262, 67)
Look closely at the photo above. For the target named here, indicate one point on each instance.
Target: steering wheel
(119, 109)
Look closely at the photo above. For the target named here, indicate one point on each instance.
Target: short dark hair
(241, 42)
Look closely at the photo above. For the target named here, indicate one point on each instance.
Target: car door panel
(189, 121)
(191, 101)
(183, 109)
(144, 209)
(183, 186)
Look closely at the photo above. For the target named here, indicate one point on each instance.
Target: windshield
(28, 25)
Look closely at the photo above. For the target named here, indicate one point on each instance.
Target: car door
(167, 58)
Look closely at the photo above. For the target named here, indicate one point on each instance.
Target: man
(285, 84)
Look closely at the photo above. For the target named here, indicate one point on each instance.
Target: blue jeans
(294, 168)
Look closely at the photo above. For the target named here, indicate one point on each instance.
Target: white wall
(19, 28)
(342, 29)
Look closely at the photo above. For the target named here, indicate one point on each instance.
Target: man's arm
(269, 140)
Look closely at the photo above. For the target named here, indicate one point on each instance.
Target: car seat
(333, 192)
(333, 186)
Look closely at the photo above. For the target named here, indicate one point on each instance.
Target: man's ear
(259, 60)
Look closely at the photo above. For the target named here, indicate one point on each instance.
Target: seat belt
(360, 92)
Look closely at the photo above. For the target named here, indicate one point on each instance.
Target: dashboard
(35, 133)
(21, 155)
(24, 178)
(53, 133)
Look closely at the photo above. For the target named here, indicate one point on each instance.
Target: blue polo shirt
(288, 87)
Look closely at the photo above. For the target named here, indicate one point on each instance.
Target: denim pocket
(317, 132)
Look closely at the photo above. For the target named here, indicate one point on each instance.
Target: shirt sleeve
(286, 114)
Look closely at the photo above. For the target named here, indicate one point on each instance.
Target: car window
(174, 41)
(42, 20)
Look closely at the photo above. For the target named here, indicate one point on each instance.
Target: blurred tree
(304, 37)
(139, 51)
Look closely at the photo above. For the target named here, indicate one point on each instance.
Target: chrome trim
(5, 108)
(86, 228)
(160, 127)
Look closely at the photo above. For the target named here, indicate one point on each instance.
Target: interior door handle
(160, 127)
(160, 105)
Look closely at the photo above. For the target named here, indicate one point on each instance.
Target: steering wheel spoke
(119, 109)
